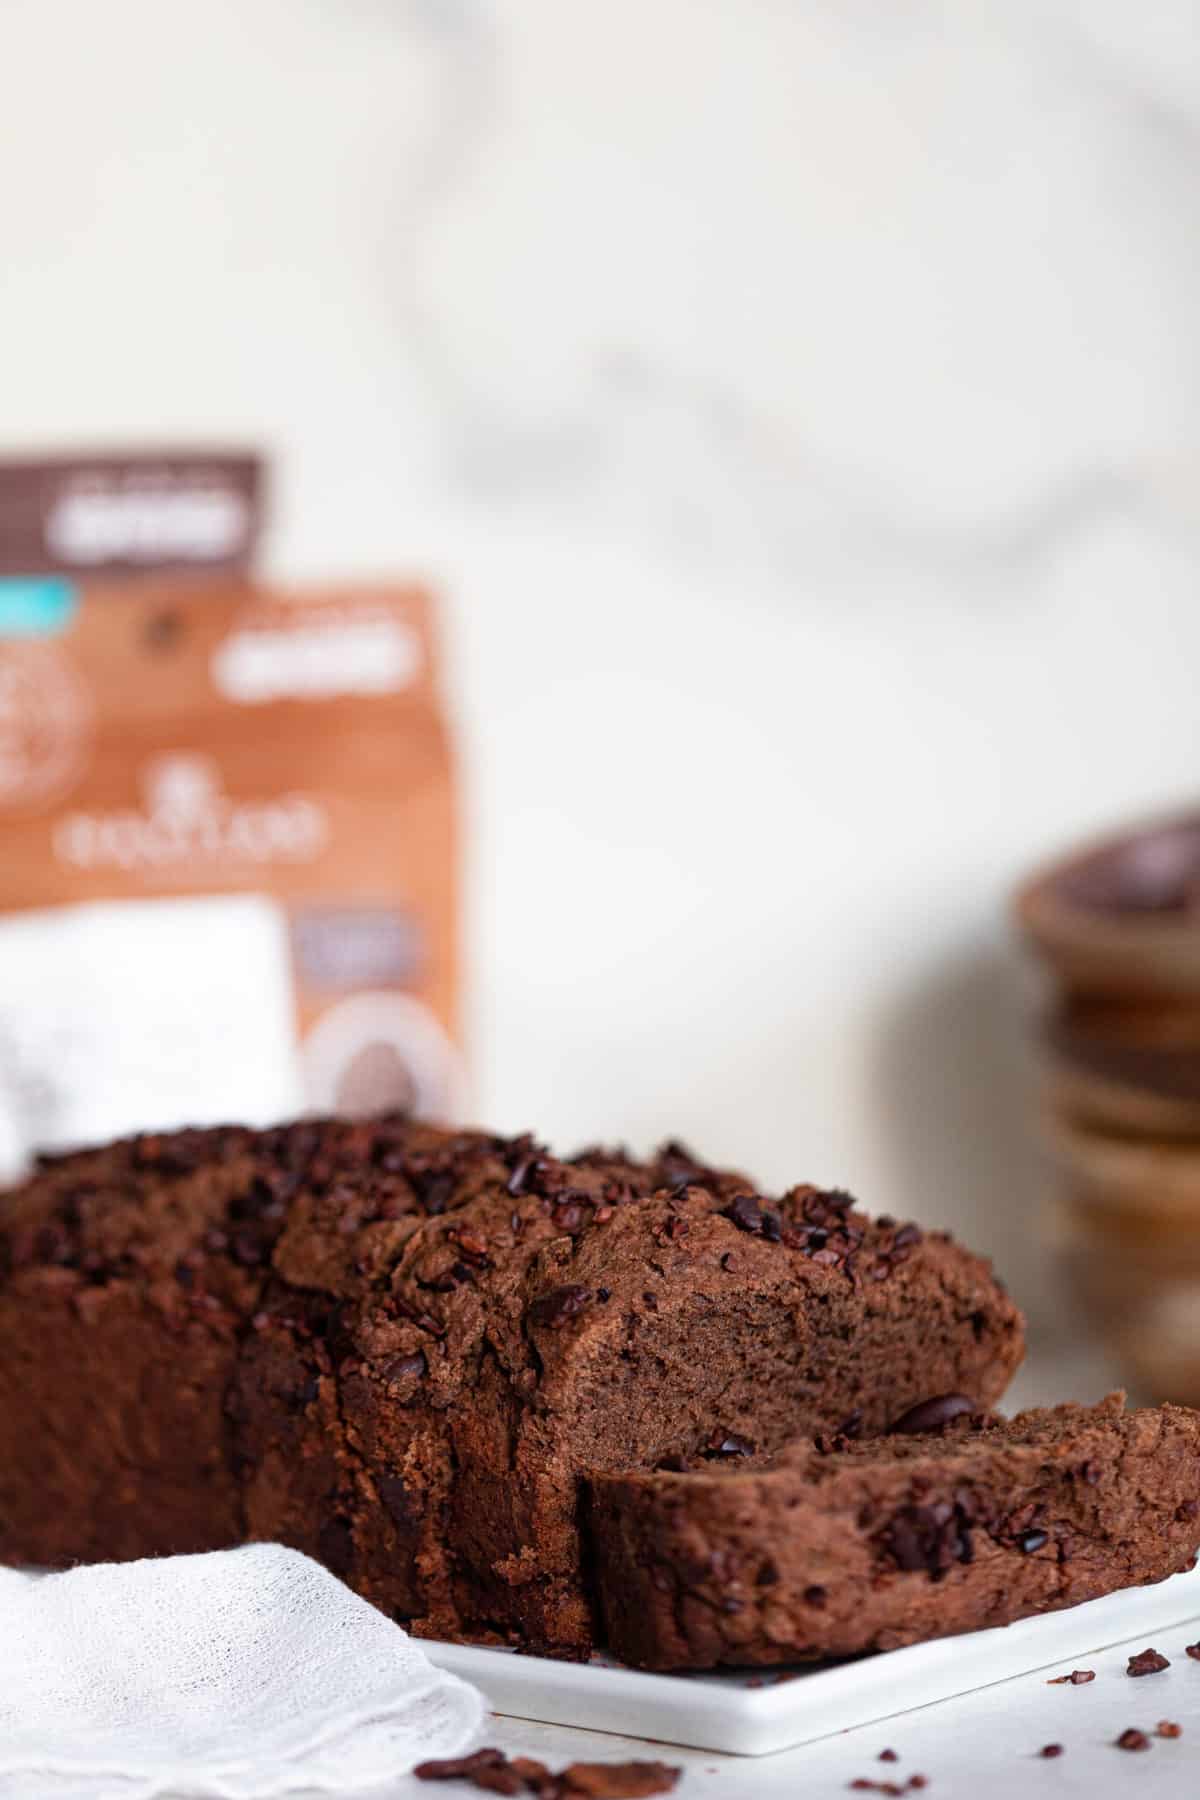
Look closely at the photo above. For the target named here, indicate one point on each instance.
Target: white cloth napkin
(247, 1674)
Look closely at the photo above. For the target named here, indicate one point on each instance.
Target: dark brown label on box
(129, 515)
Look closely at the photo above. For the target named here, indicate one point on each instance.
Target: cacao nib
(745, 1212)
(554, 1309)
(617, 1781)
(459, 1768)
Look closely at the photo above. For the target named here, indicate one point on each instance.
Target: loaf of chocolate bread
(399, 1348)
(827, 1551)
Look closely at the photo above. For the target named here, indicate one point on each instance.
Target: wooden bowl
(1128, 1067)
(1122, 916)
(1137, 1282)
(1153, 1184)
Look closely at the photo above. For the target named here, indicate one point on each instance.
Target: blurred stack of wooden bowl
(1118, 926)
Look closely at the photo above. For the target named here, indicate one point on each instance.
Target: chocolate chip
(1147, 1662)
(816, 1596)
(767, 1575)
(401, 1367)
(888, 1756)
(1029, 1541)
(553, 1310)
(1077, 1677)
(1051, 1750)
(928, 1537)
(907, 1236)
(1193, 1650)
(934, 1414)
(727, 1443)
(1167, 1728)
(1133, 1739)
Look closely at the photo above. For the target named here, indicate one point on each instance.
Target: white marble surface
(984, 1745)
(800, 401)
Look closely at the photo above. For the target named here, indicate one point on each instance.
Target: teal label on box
(36, 605)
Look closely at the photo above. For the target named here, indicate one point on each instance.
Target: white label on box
(143, 1015)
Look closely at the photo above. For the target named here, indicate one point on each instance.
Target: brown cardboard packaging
(227, 857)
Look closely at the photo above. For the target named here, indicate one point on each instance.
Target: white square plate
(752, 1713)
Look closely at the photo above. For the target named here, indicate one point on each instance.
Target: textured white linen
(245, 1675)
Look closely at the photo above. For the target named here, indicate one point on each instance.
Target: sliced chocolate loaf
(399, 1348)
(869, 1545)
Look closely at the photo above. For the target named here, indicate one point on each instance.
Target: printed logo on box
(187, 819)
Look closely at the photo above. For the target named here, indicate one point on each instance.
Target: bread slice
(830, 1551)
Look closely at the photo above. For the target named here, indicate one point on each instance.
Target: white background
(798, 400)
